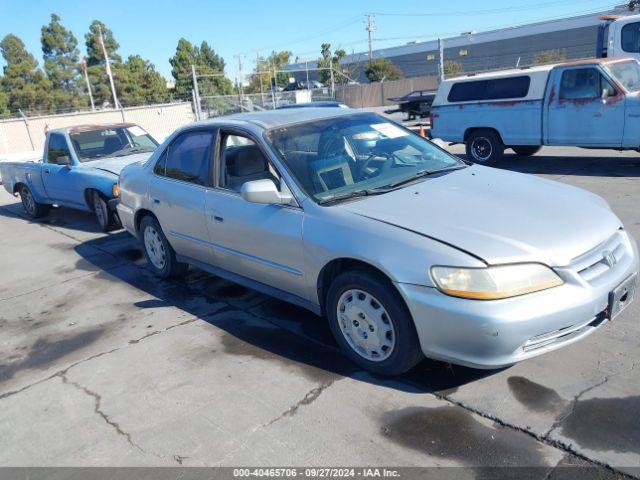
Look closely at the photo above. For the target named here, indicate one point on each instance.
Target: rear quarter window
(495, 89)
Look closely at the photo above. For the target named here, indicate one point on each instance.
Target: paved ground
(102, 364)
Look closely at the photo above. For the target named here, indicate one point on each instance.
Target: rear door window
(188, 157)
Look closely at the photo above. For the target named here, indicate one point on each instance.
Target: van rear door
(576, 113)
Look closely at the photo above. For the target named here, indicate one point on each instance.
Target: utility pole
(86, 79)
(107, 63)
(240, 92)
(441, 58)
(370, 27)
(196, 92)
(258, 69)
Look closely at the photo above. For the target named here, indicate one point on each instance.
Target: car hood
(497, 215)
(116, 164)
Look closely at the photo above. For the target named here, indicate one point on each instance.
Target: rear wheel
(484, 146)
(160, 256)
(33, 208)
(526, 150)
(372, 324)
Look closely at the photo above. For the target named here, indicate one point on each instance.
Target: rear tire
(160, 256)
(372, 324)
(101, 209)
(33, 208)
(526, 150)
(484, 147)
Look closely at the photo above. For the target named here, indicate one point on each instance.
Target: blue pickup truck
(588, 103)
(79, 169)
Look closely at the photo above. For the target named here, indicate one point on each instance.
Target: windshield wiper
(419, 174)
(130, 150)
(350, 195)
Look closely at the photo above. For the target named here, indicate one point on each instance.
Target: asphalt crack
(311, 396)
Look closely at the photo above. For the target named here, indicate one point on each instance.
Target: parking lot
(104, 365)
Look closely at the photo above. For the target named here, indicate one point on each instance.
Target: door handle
(156, 201)
(46, 170)
(218, 218)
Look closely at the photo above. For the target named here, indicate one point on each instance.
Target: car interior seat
(245, 164)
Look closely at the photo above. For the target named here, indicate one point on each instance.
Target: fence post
(196, 92)
(122, 114)
(26, 124)
(382, 92)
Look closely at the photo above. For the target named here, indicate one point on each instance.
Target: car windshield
(627, 73)
(112, 141)
(361, 154)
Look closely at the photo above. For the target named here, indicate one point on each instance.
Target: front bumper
(498, 333)
(127, 218)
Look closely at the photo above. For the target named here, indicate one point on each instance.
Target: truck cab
(619, 36)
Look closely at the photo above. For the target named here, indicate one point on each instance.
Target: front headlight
(492, 283)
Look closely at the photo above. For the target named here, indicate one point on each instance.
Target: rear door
(177, 192)
(61, 182)
(576, 113)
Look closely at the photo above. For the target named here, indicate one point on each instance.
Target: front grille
(597, 261)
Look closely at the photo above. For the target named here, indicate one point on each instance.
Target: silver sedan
(406, 250)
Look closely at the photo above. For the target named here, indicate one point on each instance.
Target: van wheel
(101, 209)
(33, 208)
(526, 150)
(484, 146)
(372, 324)
(160, 256)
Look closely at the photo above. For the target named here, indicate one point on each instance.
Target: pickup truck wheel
(101, 210)
(484, 147)
(526, 150)
(372, 324)
(33, 208)
(160, 256)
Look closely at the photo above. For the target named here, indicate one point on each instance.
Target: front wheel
(372, 324)
(484, 146)
(33, 208)
(160, 255)
(526, 150)
(101, 209)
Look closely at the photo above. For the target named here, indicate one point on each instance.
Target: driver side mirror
(64, 160)
(265, 192)
(604, 95)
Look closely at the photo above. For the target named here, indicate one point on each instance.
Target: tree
(207, 62)
(452, 68)
(382, 69)
(61, 64)
(549, 56)
(26, 86)
(328, 61)
(138, 82)
(95, 56)
(4, 101)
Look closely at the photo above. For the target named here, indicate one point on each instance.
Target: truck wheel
(526, 150)
(485, 147)
(101, 209)
(160, 256)
(372, 324)
(33, 208)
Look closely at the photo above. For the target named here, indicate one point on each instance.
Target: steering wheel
(388, 163)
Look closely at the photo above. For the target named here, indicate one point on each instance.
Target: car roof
(91, 127)
(278, 118)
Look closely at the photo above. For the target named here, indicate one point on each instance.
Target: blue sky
(152, 28)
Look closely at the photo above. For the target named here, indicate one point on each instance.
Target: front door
(177, 192)
(578, 115)
(257, 241)
(60, 178)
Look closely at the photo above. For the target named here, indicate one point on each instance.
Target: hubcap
(366, 325)
(155, 248)
(29, 202)
(481, 149)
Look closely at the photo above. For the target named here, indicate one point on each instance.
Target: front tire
(33, 208)
(484, 147)
(160, 256)
(372, 324)
(101, 209)
(526, 150)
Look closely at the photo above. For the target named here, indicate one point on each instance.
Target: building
(575, 37)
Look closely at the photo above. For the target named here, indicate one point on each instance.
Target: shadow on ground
(57, 217)
(269, 326)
